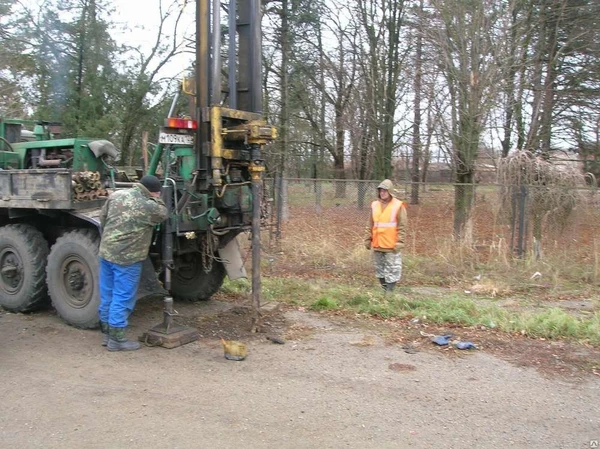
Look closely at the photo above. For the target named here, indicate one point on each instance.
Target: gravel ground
(332, 385)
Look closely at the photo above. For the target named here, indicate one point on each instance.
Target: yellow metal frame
(255, 131)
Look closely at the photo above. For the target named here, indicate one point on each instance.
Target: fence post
(278, 208)
(522, 224)
(318, 196)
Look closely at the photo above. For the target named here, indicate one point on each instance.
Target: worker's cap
(151, 183)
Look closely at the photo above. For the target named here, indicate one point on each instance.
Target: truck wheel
(72, 278)
(23, 256)
(190, 282)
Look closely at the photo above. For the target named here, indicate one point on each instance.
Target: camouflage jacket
(128, 218)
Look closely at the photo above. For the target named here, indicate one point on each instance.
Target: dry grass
(328, 243)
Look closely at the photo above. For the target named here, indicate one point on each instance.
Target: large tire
(72, 278)
(23, 256)
(191, 283)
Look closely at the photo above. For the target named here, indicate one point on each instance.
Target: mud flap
(231, 256)
(149, 284)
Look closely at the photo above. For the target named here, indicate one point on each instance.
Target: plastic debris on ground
(441, 340)
(465, 345)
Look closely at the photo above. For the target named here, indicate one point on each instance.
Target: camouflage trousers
(388, 266)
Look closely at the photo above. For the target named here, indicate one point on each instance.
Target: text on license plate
(181, 139)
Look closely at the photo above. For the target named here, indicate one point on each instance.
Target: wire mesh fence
(322, 222)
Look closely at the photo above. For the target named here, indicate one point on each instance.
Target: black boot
(118, 342)
(382, 282)
(389, 288)
(104, 329)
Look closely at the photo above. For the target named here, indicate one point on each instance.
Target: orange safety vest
(385, 224)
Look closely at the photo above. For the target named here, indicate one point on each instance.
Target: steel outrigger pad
(169, 334)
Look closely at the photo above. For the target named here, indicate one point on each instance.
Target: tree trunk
(464, 200)
(340, 187)
(285, 50)
(416, 127)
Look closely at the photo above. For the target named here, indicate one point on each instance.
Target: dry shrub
(552, 191)
(315, 245)
(491, 287)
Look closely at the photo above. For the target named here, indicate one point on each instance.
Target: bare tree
(144, 75)
(325, 82)
(381, 59)
(462, 34)
(416, 138)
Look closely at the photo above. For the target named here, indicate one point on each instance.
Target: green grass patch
(450, 308)
(237, 287)
(324, 304)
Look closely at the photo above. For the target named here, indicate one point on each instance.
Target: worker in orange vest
(386, 232)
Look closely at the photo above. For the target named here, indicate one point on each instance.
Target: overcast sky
(141, 18)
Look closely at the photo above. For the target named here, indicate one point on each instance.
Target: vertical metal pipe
(156, 157)
(202, 56)
(256, 200)
(522, 200)
(216, 53)
(167, 242)
(256, 55)
(278, 205)
(232, 54)
(168, 313)
(174, 104)
(514, 196)
(202, 77)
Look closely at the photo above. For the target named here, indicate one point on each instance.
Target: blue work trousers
(118, 288)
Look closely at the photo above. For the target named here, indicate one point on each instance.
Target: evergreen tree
(75, 75)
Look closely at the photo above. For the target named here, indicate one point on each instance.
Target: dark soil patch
(402, 367)
(236, 324)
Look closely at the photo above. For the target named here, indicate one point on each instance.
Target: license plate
(177, 139)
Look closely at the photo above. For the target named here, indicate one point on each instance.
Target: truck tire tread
(35, 248)
(87, 241)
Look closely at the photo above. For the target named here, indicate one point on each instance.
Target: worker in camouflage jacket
(128, 219)
(386, 234)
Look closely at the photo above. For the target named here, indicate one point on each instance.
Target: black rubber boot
(389, 288)
(382, 282)
(118, 342)
(104, 329)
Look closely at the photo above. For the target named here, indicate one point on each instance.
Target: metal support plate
(181, 336)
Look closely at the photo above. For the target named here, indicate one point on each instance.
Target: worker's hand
(398, 247)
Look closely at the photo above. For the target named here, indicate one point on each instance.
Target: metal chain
(207, 252)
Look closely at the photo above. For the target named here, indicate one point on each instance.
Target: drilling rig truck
(211, 167)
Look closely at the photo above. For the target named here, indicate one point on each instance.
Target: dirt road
(332, 385)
